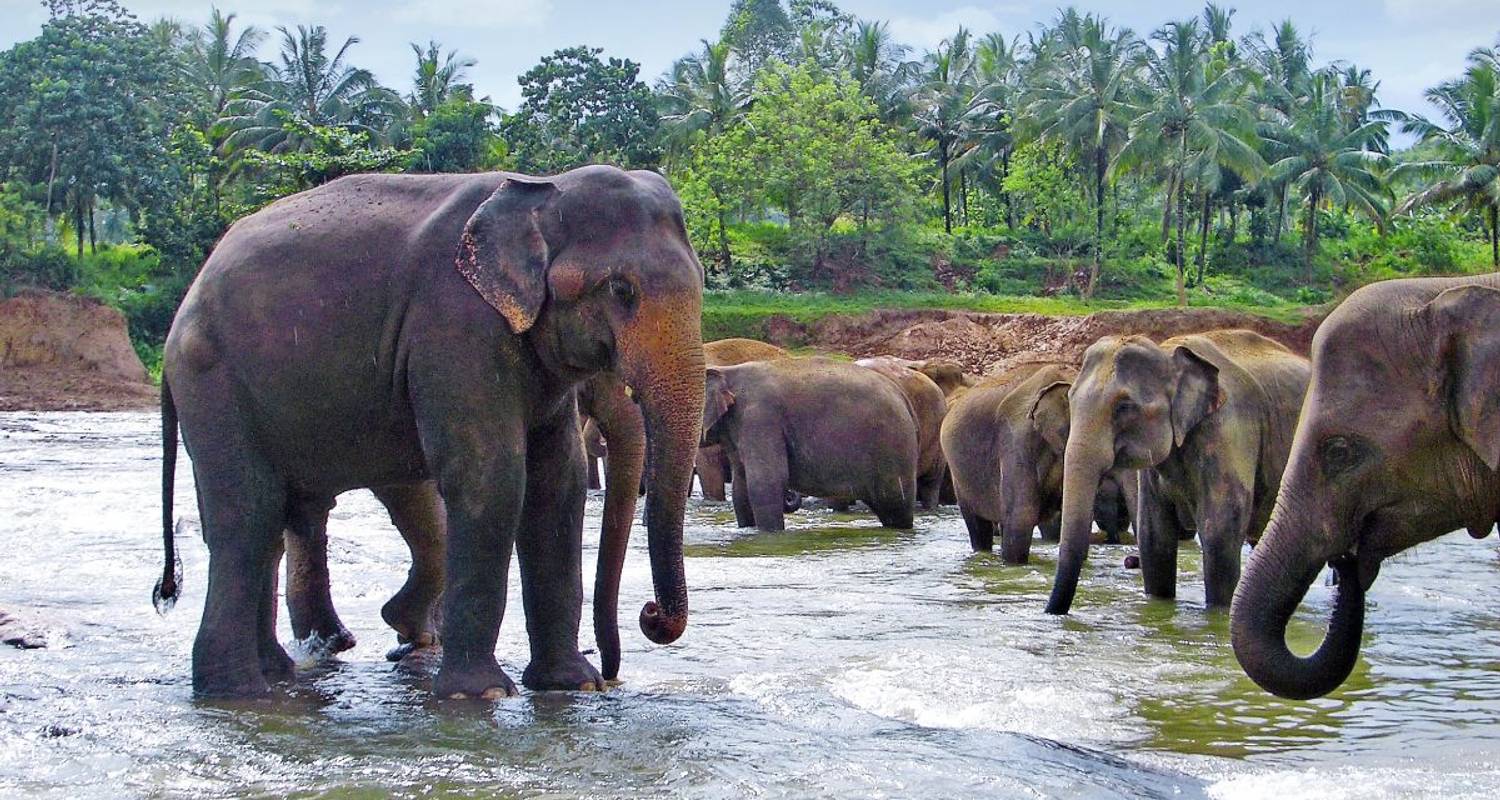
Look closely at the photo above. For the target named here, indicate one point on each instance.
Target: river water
(835, 659)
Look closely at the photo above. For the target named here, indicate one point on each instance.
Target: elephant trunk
(1084, 463)
(662, 358)
(1275, 581)
(620, 422)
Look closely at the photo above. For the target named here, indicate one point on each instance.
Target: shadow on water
(837, 658)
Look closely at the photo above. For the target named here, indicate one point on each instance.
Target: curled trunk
(1275, 580)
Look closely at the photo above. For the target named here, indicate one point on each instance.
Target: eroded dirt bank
(987, 343)
(60, 352)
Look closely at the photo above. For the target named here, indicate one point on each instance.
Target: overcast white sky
(1409, 44)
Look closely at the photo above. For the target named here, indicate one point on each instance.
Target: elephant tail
(169, 587)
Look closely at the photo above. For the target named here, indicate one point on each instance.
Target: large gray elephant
(713, 467)
(384, 331)
(1004, 440)
(1398, 443)
(1208, 420)
(929, 407)
(816, 426)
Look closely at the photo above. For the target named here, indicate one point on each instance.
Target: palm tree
(1325, 162)
(990, 137)
(878, 63)
(1192, 119)
(438, 78)
(222, 63)
(310, 86)
(700, 93)
(941, 104)
(1081, 100)
(1466, 170)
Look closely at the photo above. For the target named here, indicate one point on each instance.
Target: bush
(48, 268)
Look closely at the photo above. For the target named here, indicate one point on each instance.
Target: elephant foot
(242, 681)
(277, 666)
(331, 640)
(573, 674)
(411, 619)
(405, 648)
(483, 680)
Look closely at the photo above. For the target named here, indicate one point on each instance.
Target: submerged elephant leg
(1223, 528)
(895, 505)
(550, 547)
(981, 530)
(243, 506)
(309, 599)
(766, 479)
(711, 472)
(930, 486)
(1051, 527)
(743, 515)
(417, 512)
(1158, 531)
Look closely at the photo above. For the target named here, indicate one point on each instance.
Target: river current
(837, 659)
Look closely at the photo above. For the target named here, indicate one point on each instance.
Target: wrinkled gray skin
(1398, 443)
(713, 467)
(385, 331)
(1004, 440)
(1208, 421)
(818, 427)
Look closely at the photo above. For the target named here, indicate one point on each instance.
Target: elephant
(1207, 419)
(327, 345)
(816, 426)
(1398, 443)
(1004, 440)
(713, 467)
(929, 407)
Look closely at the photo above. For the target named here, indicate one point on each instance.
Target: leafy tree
(221, 64)
(759, 31)
(878, 62)
(329, 152)
(457, 136)
(1464, 170)
(701, 94)
(578, 110)
(941, 108)
(86, 109)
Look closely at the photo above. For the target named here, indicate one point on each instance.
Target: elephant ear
(1049, 415)
(717, 399)
(1196, 394)
(503, 253)
(1467, 323)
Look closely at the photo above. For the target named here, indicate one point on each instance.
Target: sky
(1408, 44)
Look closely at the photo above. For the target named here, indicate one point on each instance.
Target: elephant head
(1398, 443)
(1132, 403)
(595, 269)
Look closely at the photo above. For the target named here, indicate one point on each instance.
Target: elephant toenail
(495, 693)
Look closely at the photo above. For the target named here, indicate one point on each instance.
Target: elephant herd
(466, 346)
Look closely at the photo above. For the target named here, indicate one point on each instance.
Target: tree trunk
(1203, 236)
(1495, 235)
(93, 242)
(726, 258)
(1182, 224)
(1010, 213)
(78, 222)
(947, 209)
(1099, 168)
(51, 179)
(1280, 214)
(1310, 236)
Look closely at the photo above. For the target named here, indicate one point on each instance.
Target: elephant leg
(1158, 529)
(417, 512)
(1015, 534)
(711, 464)
(594, 472)
(242, 504)
(766, 474)
(483, 488)
(895, 504)
(981, 530)
(1222, 531)
(1051, 527)
(930, 486)
(550, 548)
(309, 599)
(948, 496)
(743, 515)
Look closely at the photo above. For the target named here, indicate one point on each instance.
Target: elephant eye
(1125, 406)
(1338, 454)
(623, 291)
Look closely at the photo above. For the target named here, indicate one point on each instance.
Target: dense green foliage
(1079, 166)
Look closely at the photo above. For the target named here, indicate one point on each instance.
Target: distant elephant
(1398, 443)
(1208, 420)
(819, 427)
(928, 408)
(1004, 440)
(388, 330)
(713, 467)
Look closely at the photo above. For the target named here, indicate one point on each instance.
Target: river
(836, 659)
